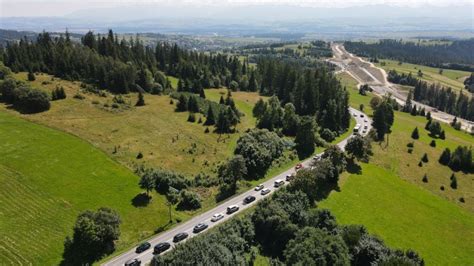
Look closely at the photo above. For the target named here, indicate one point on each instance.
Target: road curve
(167, 236)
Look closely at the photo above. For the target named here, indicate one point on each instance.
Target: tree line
(456, 55)
(121, 66)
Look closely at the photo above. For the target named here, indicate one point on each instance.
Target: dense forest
(457, 55)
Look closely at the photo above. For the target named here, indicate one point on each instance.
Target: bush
(410, 145)
(189, 200)
(433, 143)
(425, 179)
(31, 100)
(139, 155)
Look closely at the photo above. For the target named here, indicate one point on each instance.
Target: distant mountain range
(258, 19)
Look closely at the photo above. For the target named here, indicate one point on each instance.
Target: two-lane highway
(146, 256)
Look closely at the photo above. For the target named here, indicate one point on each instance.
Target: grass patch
(405, 216)
(47, 178)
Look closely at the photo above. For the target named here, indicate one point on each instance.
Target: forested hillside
(457, 55)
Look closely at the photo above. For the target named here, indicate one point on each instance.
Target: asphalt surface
(167, 236)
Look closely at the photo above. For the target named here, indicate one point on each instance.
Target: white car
(259, 187)
(265, 191)
(216, 217)
(279, 183)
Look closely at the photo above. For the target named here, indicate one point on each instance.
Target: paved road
(364, 71)
(188, 226)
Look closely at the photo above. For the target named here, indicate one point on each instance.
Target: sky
(41, 8)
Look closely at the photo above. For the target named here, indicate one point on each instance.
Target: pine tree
(433, 143)
(182, 104)
(428, 115)
(445, 157)
(221, 100)
(454, 182)
(202, 94)
(210, 119)
(415, 134)
(424, 158)
(193, 104)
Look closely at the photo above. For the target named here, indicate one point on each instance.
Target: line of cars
(164, 246)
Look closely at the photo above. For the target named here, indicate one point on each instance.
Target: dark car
(142, 247)
(249, 199)
(180, 237)
(160, 247)
(232, 209)
(133, 262)
(200, 227)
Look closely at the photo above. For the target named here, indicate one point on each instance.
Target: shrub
(461, 199)
(30, 100)
(420, 164)
(425, 179)
(410, 145)
(139, 155)
(442, 188)
(206, 130)
(433, 143)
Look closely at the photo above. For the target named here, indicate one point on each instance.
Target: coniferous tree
(182, 104)
(210, 119)
(445, 157)
(383, 119)
(415, 134)
(454, 182)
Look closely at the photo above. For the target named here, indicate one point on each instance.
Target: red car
(298, 166)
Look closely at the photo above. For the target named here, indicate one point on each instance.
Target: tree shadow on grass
(163, 227)
(141, 200)
(353, 168)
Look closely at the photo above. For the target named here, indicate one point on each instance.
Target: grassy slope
(449, 78)
(163, 136)
(390, 199)
(405, 216)
(47, 177)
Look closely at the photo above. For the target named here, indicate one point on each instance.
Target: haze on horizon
(58, 8)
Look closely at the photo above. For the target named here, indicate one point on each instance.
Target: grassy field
(449, 78)
(405, 216)
(163, 136)
(47, 178)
